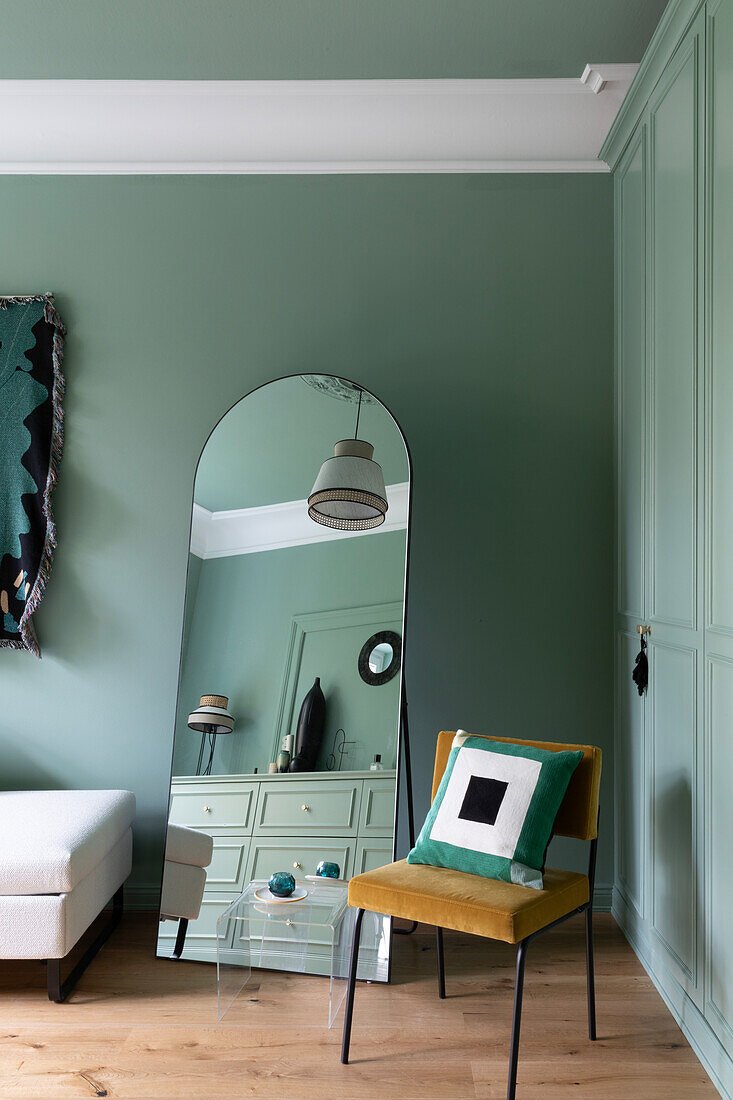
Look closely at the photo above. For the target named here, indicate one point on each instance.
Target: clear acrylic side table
(309, 936)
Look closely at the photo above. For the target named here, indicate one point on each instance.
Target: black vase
(309, 733)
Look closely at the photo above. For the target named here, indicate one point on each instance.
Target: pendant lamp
(349, 492)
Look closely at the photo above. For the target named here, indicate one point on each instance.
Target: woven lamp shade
(349, 492)
(211, 715)
(220, 701)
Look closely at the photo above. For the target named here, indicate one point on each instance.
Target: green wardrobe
(671, 150)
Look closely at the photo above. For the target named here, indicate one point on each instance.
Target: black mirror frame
(376, 679)
(402, 730)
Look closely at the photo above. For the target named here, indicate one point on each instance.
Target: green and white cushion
(495, 809)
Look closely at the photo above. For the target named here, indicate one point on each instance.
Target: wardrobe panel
(720, 431)
(673, 705)
(630, 775)
(630, 377)
(679, 841)
(673, 366)
(720, 821)
(719, 526)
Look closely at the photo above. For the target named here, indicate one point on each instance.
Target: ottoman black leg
(180, 938)
(59, 990)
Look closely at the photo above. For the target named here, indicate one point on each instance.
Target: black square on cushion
(483, 799)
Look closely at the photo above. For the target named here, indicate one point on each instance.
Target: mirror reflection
(380, 657)
(285, 756)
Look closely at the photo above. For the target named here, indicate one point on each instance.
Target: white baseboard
(142, 896)
(602, 896)
(713, 1056)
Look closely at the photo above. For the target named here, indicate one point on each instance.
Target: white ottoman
(187, 853)
(63, 856)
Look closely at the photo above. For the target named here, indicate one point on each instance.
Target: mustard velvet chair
(486, 907)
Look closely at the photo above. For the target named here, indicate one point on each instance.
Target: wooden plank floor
(146, 1029)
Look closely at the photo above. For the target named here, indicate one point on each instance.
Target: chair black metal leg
(349, 1011)
(589, 934)
(591, 972)
(180, 938)
(441, 962)
(511, 1089)
(59, 990)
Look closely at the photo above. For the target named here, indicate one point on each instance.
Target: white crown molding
(276, 526)
(309, 126)
(597, 77)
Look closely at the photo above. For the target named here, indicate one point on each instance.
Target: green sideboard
(266, 823)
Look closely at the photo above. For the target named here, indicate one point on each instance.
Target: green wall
(339, 39)
(478, 308)
(243, 607)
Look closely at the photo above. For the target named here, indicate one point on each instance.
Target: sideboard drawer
(323, 808)
(228, 864)
(224, 808)
(373, 853)
(378, 807)
(297, 856)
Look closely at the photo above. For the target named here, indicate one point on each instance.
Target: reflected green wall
(478, 308)
(242, 612)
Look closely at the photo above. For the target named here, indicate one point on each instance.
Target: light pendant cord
(358, 414)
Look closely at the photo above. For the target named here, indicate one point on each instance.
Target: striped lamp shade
(349, 492)
(211, 715)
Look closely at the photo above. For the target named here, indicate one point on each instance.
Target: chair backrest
(578, 815)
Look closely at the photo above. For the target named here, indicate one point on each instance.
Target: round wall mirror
(380, 656)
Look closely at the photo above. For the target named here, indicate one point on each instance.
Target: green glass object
(326, 869)
(282, 884)
(283, 761)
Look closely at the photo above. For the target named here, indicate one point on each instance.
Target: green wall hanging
(31, 439)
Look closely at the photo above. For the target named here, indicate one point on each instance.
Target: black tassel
(640, 675)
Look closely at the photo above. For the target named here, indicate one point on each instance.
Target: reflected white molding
(310, 126)
(276, 526)
(596, 77)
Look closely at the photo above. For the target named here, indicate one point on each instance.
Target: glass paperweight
(282, 884)
(326, 869)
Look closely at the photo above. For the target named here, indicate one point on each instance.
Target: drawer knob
(207, 809)
(288, 921)
(305, 808)
(296, 865)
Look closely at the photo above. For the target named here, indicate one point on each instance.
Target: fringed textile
(31, 441)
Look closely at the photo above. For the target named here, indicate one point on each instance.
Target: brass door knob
(305, 808)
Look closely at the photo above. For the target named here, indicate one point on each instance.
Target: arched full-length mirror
(286, 750)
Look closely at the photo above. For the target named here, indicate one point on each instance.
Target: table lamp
(210, 719)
